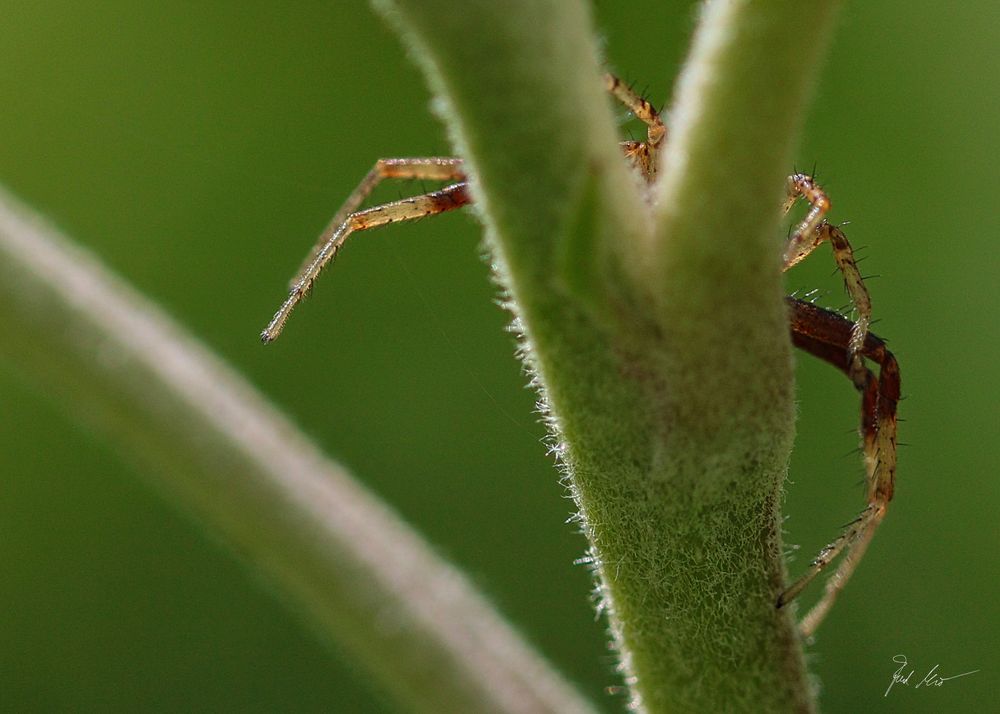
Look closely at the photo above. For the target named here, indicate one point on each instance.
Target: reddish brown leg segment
(828, 336)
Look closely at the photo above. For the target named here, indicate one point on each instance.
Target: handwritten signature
(931, 679)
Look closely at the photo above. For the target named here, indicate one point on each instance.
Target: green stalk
(358, 575)
(658, 337)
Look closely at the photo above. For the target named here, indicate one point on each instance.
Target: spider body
(843, 343)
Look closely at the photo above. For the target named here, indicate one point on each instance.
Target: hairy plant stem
(656, 328)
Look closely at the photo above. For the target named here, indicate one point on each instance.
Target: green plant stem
(658, 337)
(357, 574)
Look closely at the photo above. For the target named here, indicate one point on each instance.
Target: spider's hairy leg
(805, 238)
(808, 235)
(843, 254)
(432, 168)
(407, 209)
(852, 542)
(826, 335)
(865, 528)
(641, 153)
(637, 104)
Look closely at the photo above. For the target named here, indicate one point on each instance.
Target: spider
(822, 333)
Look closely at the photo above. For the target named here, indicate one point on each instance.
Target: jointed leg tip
(273, 330)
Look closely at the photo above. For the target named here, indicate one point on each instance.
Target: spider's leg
(836, 582)
(804, 239)
(826, 335)
(855, 286)
(852, 542)
(812, 232)
(856, 290)
(642, 154)
(643, 110)
(434, 168)
(407, 209)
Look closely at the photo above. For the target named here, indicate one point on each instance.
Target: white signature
(931, 679)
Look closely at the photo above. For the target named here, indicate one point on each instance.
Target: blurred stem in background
(359, 576)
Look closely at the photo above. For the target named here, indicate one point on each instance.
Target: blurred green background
(198, 148)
